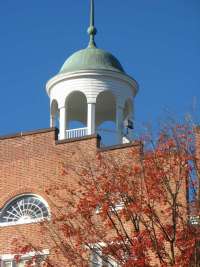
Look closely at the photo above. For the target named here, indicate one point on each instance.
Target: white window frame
(111, 262)
(37, 220)
(116, 207)
(11, 257)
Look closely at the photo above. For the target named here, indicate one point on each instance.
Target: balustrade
(76, 133)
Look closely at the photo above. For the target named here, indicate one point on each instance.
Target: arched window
(24, 209)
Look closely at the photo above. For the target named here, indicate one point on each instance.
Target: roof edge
(21, 134)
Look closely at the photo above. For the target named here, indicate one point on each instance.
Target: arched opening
(106, 118)
(76, 108)
(54, 114)
(76, 114)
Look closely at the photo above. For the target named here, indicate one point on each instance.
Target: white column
(119, 124)
(62, 122)
(66, 119)
(52, 121)
(91, 118)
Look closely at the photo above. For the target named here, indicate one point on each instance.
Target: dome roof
(91, 58)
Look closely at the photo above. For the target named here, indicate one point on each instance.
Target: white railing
(76, 133)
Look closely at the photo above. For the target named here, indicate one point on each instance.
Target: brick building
(91, 88)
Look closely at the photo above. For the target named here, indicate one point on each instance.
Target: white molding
(91, 87)
(7, 257)
(4, 224)
(98, 247)
(89, 74)
(117, 207)
(76, 133)
(37, 220)
(91, 83)
(24, 195)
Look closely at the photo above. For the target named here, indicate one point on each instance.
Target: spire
(92, 30)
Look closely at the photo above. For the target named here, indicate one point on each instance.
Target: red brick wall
(30, 163)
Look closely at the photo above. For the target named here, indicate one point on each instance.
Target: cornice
(92, 73)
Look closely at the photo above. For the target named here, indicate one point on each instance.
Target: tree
(130, 208)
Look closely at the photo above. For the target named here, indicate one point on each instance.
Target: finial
(92, 31)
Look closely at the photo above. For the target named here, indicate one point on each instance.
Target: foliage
(131, 204)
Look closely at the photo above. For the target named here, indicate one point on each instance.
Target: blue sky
(157, 42)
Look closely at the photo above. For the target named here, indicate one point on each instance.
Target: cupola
(91, 58)
(90, 89)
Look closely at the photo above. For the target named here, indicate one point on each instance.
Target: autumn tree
(133, 208)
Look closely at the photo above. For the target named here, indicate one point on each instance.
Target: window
(24, 209)
(33, 259)
(115, 207)
(100, 260)
(194, 220)
(21, 263)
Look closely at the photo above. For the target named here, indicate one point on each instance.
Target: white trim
(194, 219)
(10, 258)
(4, 224)
(7, 257)
(89, 73)
(98, 247)
(76, 133)
(91, 118)
(37, 220)
(116, 207)
(23, 195)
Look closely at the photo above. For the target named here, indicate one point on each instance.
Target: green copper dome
(91, 58)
